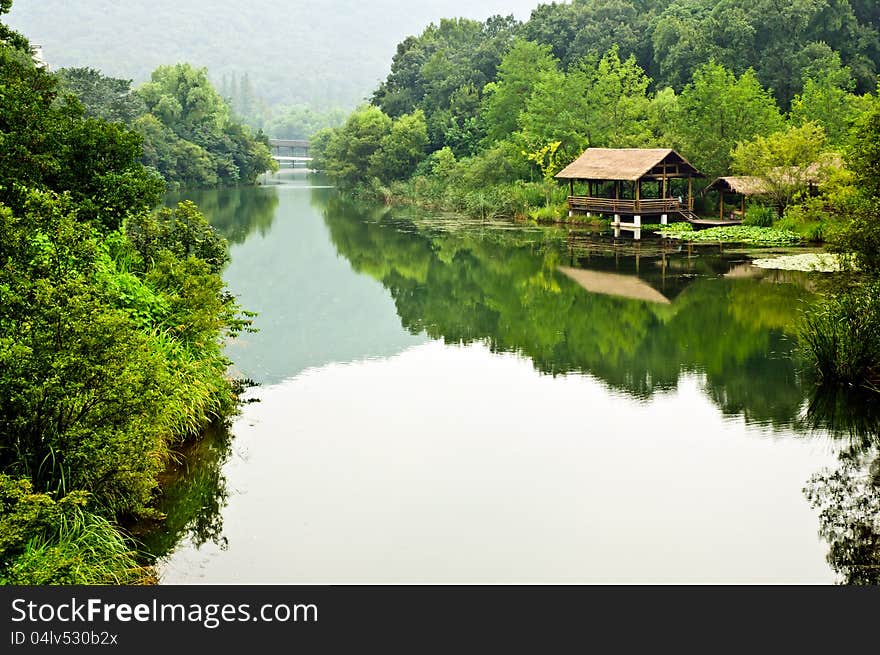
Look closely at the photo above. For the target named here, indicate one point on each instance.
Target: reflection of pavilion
(615, 284)
(654, 272)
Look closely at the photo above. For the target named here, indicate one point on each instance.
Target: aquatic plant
(840, 338)
(755, 236)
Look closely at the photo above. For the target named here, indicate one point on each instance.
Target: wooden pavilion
(631, 182)
(740, 187)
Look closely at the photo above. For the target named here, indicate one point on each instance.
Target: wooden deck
(650, 207)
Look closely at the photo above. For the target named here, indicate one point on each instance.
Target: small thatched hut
(744, 186)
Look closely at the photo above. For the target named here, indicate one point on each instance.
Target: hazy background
(323, 53)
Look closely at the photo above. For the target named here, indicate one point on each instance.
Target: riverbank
(112, 320)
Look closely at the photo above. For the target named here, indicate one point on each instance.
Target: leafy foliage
(755, 236)
(102, 97)
(717, 110)
(789, 162)
(841, 339)
(111, 321)
(44, 541)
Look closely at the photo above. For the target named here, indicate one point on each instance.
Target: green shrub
(860, 237)
(759, 216)
(810, 219)
(840, 338)
(43, 541)
(550, 213)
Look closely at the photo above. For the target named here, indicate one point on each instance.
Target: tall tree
(717, 110)
(102, 97)
(788, 162)
(519, 72)
(828, 100)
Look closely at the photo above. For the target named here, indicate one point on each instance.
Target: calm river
(449, 401)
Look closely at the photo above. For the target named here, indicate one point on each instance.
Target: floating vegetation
(810, 262)
(671, 227)
(756, 236)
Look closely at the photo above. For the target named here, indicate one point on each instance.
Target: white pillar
(664, 219)
(616, 219)
(637, 220)
(637, 235)
(589, 214)
(570, 213)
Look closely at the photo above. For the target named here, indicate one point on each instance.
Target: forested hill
(318, 52)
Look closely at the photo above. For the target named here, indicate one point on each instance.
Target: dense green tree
(828, 100)
(717, 110)
(48, 145)
(558, 110)
(788, 162)
(778, 40)
(402, 148)
(346, 152)
(597, 103)
(505, 99)
(863, 156)
(592, 27)
(111, 323)
(10, 37)
(179, 160)
(445, 65)
(681, 43)
(102, 97)
(859, 236)
(618, 103)
(184, 101)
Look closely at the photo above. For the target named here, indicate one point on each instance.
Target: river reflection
(456, 401)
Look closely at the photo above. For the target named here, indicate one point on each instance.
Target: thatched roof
(615, 284)
(745, 185)
(629, 164)
(748, 185)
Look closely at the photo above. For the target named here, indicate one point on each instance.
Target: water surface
(454, 401)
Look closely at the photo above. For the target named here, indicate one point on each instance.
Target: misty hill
(323, 52)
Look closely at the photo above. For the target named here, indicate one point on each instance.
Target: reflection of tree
(236, 212)
(848, 500)
(193, 496)
(848, 496)
(503, 287)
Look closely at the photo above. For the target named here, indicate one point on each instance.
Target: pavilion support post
(664, 219)
(690, 194)
(742, 208)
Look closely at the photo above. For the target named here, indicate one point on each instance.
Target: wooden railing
(614, 206)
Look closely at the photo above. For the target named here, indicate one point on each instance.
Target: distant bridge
(291, 151)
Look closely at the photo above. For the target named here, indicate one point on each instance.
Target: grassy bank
(112, 319)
